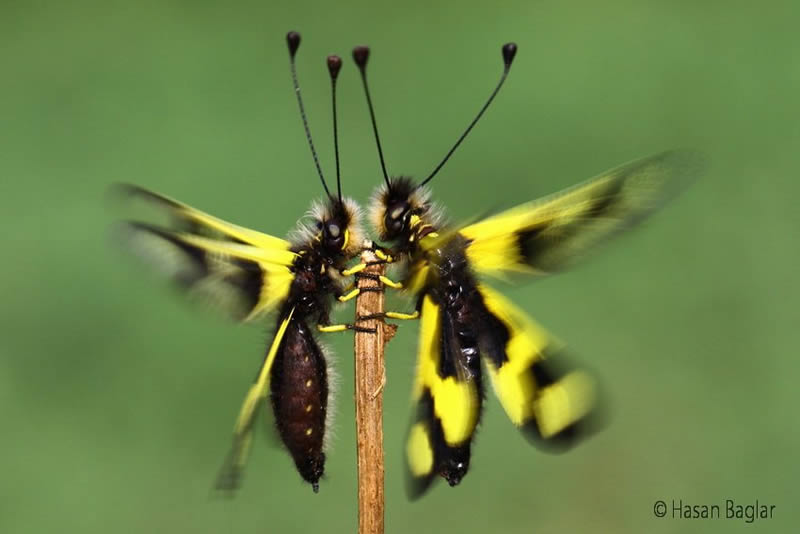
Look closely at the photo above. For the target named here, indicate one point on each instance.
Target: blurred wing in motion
(241, 270)
(552, 404)
(230, 474)
(194, 220)
(550, 234)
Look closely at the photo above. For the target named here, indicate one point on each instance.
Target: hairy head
(396, 209)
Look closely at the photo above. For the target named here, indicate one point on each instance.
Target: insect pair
(463, 320)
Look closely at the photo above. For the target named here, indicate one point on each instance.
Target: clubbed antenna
(509, 51)
(334, 65)
(293, 40)
(361, 55)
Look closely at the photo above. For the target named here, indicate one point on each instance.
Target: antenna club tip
(334, 66)
(360, 56)
(293, 40)
(509, 51)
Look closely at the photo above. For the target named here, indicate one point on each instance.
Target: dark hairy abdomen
(299, 393)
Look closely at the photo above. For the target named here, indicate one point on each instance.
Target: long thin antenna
(361, 55)
(509, 50)
(334, 65)
(293, 40)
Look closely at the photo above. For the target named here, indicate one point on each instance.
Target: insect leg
(382, 279)
(353, 270)
(342, 327)
(348, 296)
(383, 254)
(391, 283)
(401, 316)
(353, 293)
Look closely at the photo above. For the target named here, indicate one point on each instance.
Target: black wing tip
(122, 191)
(679, 168)
(692, 160)
(228, 481)
(229, 477)
(125, 189)
(416, 487)
(682, 165)
(221, 492)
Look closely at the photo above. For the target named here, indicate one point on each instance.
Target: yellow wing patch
(454, 399)
(534, 393)
(420, 450)
(561, 405)
(548, 235)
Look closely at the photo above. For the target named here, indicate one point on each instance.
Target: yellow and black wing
(448, 397)
(553, 404)
(548, 235)
(231, 472)
(236, 268)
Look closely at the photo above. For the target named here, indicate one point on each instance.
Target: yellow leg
(391, 283)
(391, 315)
(333, 327)
(353, 294)
(354, 269)
(402, 316)
(328, 328)
(381, 255)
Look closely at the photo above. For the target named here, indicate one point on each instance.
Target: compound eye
(395, 217)
(333, 235)
(397, 212)
(333, 230)
(393, 225)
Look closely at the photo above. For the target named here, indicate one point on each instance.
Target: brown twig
(370, 377)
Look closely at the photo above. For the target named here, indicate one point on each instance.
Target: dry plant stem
(370, 377)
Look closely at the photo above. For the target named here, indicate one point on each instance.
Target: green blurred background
(117, 399)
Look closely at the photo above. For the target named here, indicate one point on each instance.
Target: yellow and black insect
(463, 320)
(253, 274)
